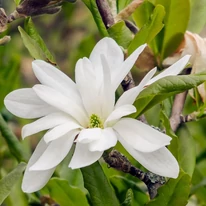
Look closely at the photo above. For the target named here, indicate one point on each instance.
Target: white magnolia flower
(85, 112)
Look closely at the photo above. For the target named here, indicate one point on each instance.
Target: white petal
(112, 52)
(107, 140)
(26, 104)
(125, 67)
(54, 78)
(55, 152)
(83, 157)
(130, 95)
(118, 113)
(60, 130)
(160, 162)
(173, 70)
(58, 100)
(87, 85)
(141, 136)
(89, 135)
(35, 180)
(45, 123)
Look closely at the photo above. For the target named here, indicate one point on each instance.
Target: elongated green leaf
(187, 154)
(121, 4)
(174, 192)
(92, 6)
(34, 49)
(121, 34)
(197, 16)
(165, 88)
(32, 32)
(64, 194)
(176, 21)
(100, 190)
(14, 145)
(7, 183)
(129, 200)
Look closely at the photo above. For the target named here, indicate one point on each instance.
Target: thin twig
(118, 161)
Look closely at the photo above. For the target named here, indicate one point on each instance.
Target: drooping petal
(51, 76)
(61, 102)
(47, 122)
(119, 74)
(35, 180)
(160, 162)
(129, 96)
(118, 113)
(173, 70)
(83, 157)
(87, 85)
(60, 130)
(26, 104)
(141, 136)
(55, 152)
(112, 52)
(107, 140)
(89, 135)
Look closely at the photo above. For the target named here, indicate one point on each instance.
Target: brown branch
(118, 161)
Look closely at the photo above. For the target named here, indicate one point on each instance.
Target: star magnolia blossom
(85, 113)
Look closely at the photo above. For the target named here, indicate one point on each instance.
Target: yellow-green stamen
(95, 122)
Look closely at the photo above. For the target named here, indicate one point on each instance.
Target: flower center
(95, 122)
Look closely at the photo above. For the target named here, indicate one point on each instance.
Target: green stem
(15, 146)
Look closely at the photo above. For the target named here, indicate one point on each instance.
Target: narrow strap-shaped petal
(60, 130)
(173, 70)
(26, 104)
(55, 152)
(112, 52)
(125, 67)
(160, 162)
(129, 96)
(83, 157)
(61, 102)
(118, 113)
(44, 123)
(54, 78)
(107, 140)
(35, 180)
(141, 136)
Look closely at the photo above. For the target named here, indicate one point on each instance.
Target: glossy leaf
(121, 34)
(64, 194)
(100, 191)
(164, 88)
(32, 32)
(187, 154)
(174, 192)
(176, 21)
(197, 16)
(92, 6)
(7, 183)
(33, 48)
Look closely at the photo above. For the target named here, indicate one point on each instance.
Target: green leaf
(129, 198)
(92, 6)
(121, 4)
(121, 34)
(34, 49)
(164, 88)
(7, 183)
(197, 16)
(174, 192)
(15, 146)
(176, 21)
(98, 186)
(17, 2)
(64, 194)
(32, 32)
(121, 185)
(149, 29)
(187, 154)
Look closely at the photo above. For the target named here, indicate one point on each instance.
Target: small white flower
(86, 113)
